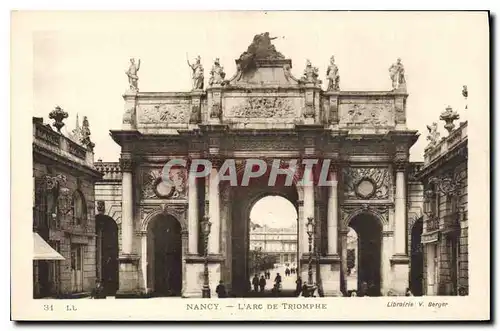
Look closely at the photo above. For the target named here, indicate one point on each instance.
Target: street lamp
(205, 226)
(310, 232)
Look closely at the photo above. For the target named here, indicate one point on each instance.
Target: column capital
(127, 161)
(216, 161)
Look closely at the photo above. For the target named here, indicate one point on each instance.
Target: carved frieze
(166, 113)
(366, 183)
(265, 144)
(263, 107)
(379, 114)
(154, 186)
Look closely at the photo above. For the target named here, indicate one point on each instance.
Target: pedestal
(129, 277)
(195, 279)
(329, 272)
(400, 274)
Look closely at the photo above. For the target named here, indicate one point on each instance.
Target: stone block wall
(68, 233)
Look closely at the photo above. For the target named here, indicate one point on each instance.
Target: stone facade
(63, 212)
(280, 242)
(445, 235)
(264, 112)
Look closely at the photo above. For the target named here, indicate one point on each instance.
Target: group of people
(290, 271)
(259, 284)
(305, 290)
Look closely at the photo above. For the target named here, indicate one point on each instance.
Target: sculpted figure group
(310, 75)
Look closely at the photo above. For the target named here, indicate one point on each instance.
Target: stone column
(127, 204)
(144, 260)
(128, 273)
(214, 209)
(400, 213)
(330, 266)
(308, 206)
(193, 222)
(400, 261)
(332, 220)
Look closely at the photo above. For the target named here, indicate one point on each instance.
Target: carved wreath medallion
(366, 183)
(154, 185)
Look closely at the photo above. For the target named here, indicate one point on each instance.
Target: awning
(43, 251)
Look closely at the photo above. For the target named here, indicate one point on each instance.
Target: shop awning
(43, 251)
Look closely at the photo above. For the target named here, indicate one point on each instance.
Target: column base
(400, 273)
(329, 272)
(195, 276)
(129, 286)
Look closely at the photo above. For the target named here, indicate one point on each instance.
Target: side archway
(107, 246)
(164, 255)
(369, 228)
(417, 258)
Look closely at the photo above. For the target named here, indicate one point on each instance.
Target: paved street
(288, 283)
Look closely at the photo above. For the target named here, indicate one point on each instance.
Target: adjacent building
(64, 228)
(445, 225)
(280, 242)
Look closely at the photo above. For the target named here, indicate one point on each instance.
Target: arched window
(79, 208)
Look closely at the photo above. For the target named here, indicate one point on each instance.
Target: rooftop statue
(260, 49)
(217, 74)
(310, 74)
(198, 74)
(397, 74)
(433, 135)
(132, 74)
(332, 74)
(85, 134)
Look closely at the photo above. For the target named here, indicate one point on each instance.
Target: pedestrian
(262, 283)
(287, 272)
(305, 290)
(221, 290)
(98, 291)
(255, 283)
(298, 286)
(277, 280)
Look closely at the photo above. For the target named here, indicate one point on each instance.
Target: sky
(274, 211)
(80, 59)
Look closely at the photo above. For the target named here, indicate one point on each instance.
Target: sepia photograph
(178, 158)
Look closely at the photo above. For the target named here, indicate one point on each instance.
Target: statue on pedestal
(198, 73)
(132, 74)
(332, 74)
(310, 74)
(217, 74)
(397, 74)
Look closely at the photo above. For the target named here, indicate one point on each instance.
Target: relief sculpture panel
(366, 183)
(164, 113)
(154, 187)
(378, 114)
(261, 107)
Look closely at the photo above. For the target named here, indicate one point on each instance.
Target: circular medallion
(365, 188)
(163, 189)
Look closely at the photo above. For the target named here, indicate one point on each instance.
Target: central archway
(243, 199)
(369, 233)
(164, 256)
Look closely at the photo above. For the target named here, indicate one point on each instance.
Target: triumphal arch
(262, 112)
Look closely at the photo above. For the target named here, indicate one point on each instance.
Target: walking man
(262, 283)
(255, 283)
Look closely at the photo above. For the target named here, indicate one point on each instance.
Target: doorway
(165, 256)
(369, 237)
(107, 232)
(76, 268)
(417, 259)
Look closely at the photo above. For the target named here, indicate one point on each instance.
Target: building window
(79, 208)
